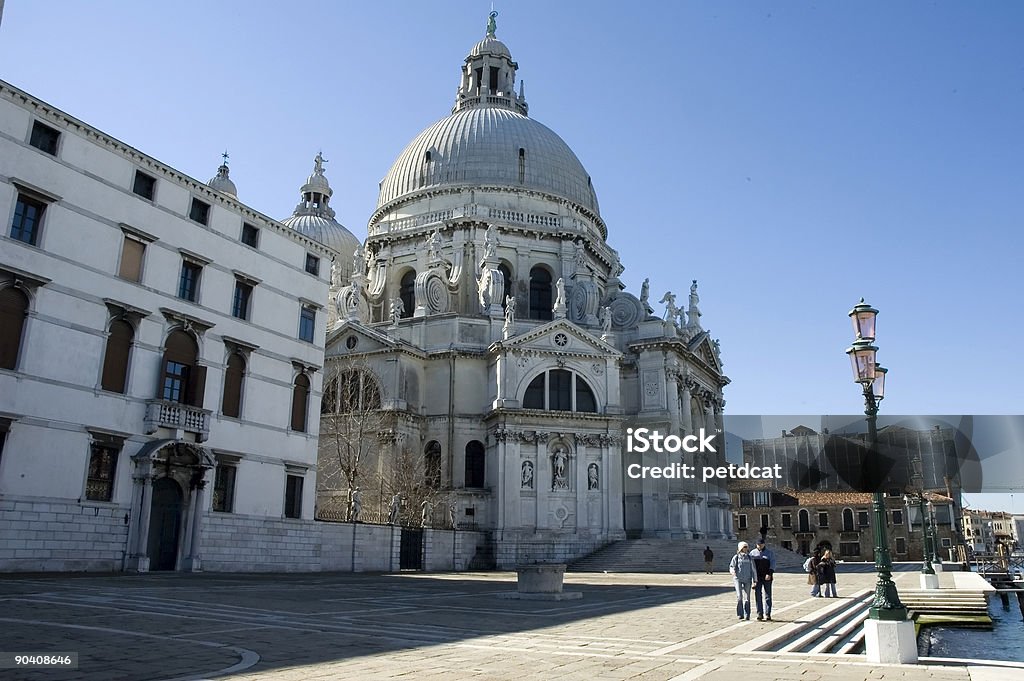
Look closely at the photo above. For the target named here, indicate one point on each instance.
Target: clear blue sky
(791, 156)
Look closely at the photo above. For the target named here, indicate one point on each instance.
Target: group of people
(755, 569)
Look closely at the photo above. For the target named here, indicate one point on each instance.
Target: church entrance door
(410, 556)
(165, 524)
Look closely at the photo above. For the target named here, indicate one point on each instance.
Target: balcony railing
(166, 414)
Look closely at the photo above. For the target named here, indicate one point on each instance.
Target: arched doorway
(165, 524)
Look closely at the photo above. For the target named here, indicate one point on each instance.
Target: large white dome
(488, 146)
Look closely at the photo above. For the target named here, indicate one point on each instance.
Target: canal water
(1005, 641)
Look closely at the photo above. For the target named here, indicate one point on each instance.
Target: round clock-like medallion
(561, 340)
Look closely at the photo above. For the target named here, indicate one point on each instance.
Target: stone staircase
(671, 556)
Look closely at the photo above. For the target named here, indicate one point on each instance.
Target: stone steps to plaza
(670, 556)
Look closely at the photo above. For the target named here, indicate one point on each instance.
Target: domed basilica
(483, 358)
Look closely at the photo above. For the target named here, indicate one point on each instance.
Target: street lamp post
(889, 635)
(933, 527)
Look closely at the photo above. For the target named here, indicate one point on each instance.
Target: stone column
(138, 560)
(193, 561)
(686, 420)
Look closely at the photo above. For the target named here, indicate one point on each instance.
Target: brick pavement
(417, 626)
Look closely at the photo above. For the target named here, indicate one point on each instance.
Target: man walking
(709, 560)
(763, 559)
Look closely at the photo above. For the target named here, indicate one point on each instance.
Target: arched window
(183, 380)
(300, 400)
(432, 464)
(231, 402)
(475, 464)
(355, 391)
(848, 520)
(13, 310)
(559, 390)
(506, 276)
(540, 293)
(804, 522)
(407, 292)
(115, 357)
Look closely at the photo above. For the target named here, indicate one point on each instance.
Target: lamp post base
(929, 581)
(890, 642)
(936, 566)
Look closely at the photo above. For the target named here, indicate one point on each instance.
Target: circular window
(351, 342)
(561, 340)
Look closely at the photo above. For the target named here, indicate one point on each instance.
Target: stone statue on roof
(492, 25)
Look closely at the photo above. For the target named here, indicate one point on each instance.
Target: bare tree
(412, 477)
(351, 427)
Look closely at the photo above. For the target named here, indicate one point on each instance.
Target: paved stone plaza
(418, 626)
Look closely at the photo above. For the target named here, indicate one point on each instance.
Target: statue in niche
(395, 509)
(527, 477)
(355, 506)
(510, 315)
(397, 310)
(560, 293)
(671, 311)
(592, 476)
(559, 458)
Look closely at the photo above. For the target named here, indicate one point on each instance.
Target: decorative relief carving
(597, 369)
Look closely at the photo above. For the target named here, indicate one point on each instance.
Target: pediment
(352, 337)
(704, 348)
(560, 336)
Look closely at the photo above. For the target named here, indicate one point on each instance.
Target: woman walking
(742, 570)
(827, 575)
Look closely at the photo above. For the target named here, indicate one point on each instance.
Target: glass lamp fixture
(862, 361)
(863, 317)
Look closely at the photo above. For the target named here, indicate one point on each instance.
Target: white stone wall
(236, 543)
(54, 535)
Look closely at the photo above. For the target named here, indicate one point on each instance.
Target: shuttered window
(13, 309)
(115, 358)
(131, 259)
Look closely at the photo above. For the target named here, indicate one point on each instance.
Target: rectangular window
(901, 545)
(199, 211)
(849, 549)
(293, 497)
(175, 380)
(743, 521)
(144, 185)
(307, 324)
(312, 264)
(897, 517)
(862, 518)
(788, 545)
(946, 542)
(102, 464)
(559, 391)
(224, 489)
(44, 138)
(250, 235)
(240, 304)
(765, 521)
(188, 283)
(787, 520)
(28, 214)
(131, 259)
(746, 499)
(823, 519)
(762, 498)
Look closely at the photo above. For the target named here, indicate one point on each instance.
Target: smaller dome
(327, 231)
(490, 45)
(222, 183)
(314, 217)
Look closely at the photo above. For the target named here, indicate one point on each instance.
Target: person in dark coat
(764, 569)
(709, 560)
(827, 575)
